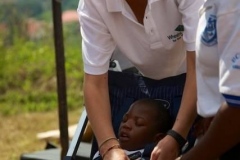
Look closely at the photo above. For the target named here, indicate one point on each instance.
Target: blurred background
(28, 87)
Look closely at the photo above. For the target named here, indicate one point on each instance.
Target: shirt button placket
(147, 25)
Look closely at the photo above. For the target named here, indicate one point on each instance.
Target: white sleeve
(228, 33)
(189, 10)
(97, 42)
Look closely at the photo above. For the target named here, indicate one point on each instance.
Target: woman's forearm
(97, 104)
(187, 112)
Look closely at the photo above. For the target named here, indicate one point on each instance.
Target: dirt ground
(18, 132)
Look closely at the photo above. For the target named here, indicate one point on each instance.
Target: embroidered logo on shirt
(177, 36)
(236, 61)
(180, 28)
(209, 35)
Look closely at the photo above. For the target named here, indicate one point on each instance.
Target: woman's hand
(116, 154)
(166, 149)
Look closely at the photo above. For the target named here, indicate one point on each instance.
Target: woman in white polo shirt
(218, 80)
(156, 36)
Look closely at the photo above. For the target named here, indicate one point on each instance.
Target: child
(145, 123)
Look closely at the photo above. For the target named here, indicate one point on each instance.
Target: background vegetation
(27, 66)
(28, 89)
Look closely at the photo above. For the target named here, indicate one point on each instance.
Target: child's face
(137, 127)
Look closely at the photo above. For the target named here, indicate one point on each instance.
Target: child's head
(145, 122)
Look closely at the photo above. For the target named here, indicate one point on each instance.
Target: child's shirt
(141, 154)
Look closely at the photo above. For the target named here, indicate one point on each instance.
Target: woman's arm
(168, 148)
(96, 98)
(188, 111)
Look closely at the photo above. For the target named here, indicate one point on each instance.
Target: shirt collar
(114, 5)
(150, 2)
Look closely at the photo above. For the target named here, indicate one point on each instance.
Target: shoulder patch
(236, 61)
(209, 35)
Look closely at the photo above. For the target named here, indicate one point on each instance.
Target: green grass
(28, 74)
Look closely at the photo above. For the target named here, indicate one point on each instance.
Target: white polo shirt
(218, 56)
(157, 48)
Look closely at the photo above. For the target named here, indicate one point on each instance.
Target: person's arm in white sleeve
(97, 48)
(168, 148)
(224, 131)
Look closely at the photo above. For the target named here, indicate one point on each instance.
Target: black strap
(180, 140)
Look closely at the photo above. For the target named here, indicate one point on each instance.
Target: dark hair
(163, 119)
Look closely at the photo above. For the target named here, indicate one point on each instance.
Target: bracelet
(179, 158)
(106, 141)
(180, 140)
(116, 146)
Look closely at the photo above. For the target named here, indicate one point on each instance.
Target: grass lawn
(18, 132)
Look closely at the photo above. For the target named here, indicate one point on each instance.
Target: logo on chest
(177, 36)
(209, 35)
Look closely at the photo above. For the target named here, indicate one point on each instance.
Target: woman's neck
(138, 7)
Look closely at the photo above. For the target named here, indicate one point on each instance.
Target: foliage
(39, 9)
(66, 4)
(27, 65)
(28, 73)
